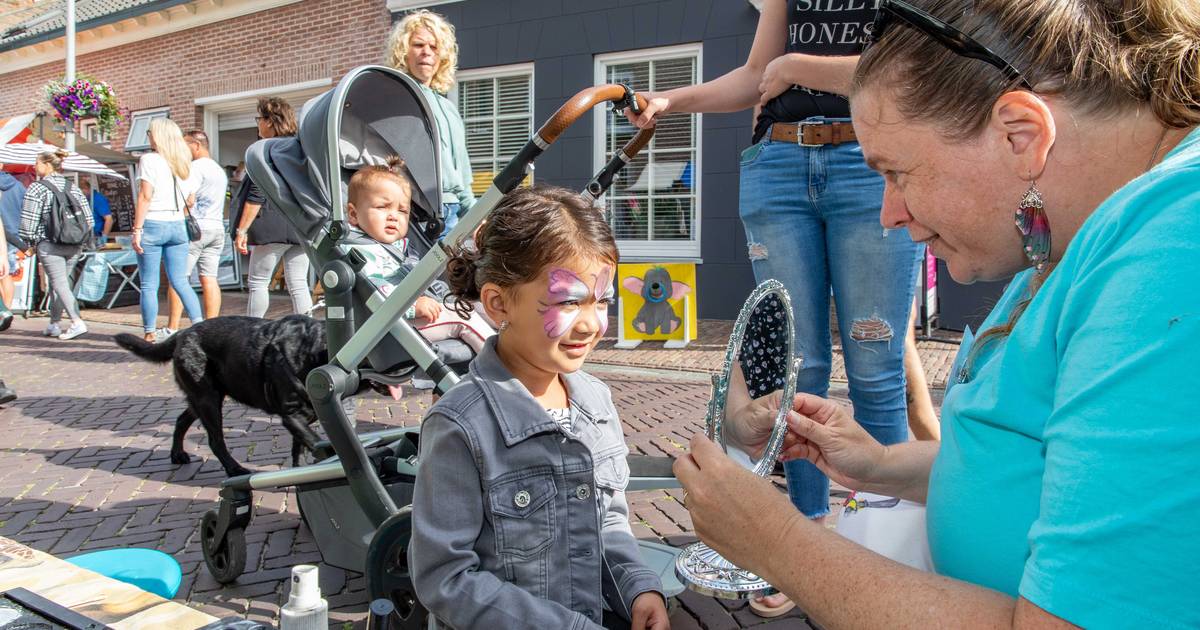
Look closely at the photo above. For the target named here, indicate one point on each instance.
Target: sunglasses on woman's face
(953, 39)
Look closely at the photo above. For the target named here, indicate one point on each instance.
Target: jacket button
(583, 491)
(521, 499)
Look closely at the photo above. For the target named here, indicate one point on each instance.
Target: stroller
(355, 500)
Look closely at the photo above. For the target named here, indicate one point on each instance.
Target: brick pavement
(86, 467)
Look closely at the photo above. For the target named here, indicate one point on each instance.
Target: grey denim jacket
(517, 524)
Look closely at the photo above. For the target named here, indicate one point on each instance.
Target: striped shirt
(36, 210)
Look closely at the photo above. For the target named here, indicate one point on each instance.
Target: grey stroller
(355, 499)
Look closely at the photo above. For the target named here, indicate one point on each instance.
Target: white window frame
(500, 72)
(650, 249)
(85, 128)
(156, 112)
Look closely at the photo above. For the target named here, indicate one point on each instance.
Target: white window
(139, 128)
(90, 131)
(654, 206)
(496, 105)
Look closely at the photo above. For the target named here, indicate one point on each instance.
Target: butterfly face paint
(564, 296)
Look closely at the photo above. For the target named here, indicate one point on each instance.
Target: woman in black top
(810, 207)
(261, 224)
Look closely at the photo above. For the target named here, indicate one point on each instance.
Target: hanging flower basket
(84, 98)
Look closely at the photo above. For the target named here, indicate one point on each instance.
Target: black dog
(258, 362)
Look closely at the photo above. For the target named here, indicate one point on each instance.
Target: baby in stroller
(377, 208)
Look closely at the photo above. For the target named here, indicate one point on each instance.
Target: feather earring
(1034, 228)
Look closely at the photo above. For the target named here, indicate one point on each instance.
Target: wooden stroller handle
(581, 103)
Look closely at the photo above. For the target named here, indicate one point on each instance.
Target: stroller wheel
(226, 558)
(387, 571)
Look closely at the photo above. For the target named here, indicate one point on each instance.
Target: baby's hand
(427, 308)
(650, 612)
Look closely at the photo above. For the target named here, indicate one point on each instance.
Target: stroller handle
(583, 102)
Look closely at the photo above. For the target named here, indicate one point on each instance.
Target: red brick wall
(313, 39)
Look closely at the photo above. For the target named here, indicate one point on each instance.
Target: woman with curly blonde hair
(422, 45)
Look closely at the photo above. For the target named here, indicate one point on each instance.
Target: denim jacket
(516, 523)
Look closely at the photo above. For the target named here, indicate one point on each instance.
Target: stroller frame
(364, 461)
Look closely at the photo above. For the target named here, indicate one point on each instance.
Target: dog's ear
(633, 284)
(679, 289)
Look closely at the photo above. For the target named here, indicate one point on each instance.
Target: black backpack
(66, 222)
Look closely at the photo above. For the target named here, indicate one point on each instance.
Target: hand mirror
(762, 347)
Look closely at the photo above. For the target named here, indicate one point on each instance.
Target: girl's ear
(351, 215)
(496, 302)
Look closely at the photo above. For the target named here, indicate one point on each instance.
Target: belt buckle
(800, 134)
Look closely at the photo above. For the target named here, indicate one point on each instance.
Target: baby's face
(381, 211)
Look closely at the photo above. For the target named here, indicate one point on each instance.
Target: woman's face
(423, 56)
(264, 126)
(42, 168)
(955, 196)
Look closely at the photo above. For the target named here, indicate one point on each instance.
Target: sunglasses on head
(953, 39)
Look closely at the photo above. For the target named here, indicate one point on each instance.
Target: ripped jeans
(812, 222)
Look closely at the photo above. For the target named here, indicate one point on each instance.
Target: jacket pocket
(524, 514)
(611, 469)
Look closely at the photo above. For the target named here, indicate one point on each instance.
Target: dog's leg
(182, 424)
(213, 422)
(302, 436)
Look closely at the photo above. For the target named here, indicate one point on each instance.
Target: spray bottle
(305, 609)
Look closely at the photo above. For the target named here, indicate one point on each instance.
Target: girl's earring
(1034, 228)
(503, 326)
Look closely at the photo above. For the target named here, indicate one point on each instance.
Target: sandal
(760, 608)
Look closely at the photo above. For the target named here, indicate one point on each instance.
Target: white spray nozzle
(306, 592)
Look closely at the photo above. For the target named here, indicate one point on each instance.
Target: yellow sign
(658, 302)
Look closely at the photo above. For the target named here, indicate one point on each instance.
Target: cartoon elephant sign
(661, 301)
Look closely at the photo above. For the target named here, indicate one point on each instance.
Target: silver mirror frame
(714, 424)
(699, 567)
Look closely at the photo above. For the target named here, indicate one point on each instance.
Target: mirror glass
(759, 361)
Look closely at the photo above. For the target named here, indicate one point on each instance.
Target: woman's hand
(656, 107)
(649, 612)
(239, 243)
(774, 78)
(823, 432)
(739, 514)
(137, 242)
(750, 425)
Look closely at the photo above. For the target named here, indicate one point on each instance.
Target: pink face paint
(558, 315)
(604, 294)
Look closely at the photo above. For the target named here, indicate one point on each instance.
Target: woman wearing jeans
(810, 206)
(262, 225)
(159, 234)
(57, 259)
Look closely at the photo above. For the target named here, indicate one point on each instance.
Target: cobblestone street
(85, 466)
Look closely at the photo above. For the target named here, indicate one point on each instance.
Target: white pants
(263, 259)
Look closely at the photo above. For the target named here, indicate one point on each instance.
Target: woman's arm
(108, 221)
(837, 582)
(140, 208)
(733, 91)
(817, 72)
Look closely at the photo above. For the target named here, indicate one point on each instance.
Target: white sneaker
(76, 329)
(52, 330)
(163, 333)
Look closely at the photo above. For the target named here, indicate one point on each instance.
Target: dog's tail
(160, 352)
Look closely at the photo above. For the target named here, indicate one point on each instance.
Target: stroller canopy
(374, 112)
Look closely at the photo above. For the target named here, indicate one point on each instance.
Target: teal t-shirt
(1069, 471)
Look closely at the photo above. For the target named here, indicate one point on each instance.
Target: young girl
(519, 512)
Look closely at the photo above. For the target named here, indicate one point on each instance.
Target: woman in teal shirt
(1065, 489)
(423, 46)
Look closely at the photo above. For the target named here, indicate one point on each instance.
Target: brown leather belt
(813, 134)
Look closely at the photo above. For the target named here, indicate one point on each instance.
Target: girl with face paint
(541, 436)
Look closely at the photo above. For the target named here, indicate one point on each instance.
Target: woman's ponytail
(461, 270)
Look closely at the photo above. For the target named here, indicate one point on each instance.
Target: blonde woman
(57, 259)
(422, 45)
(159, 235)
